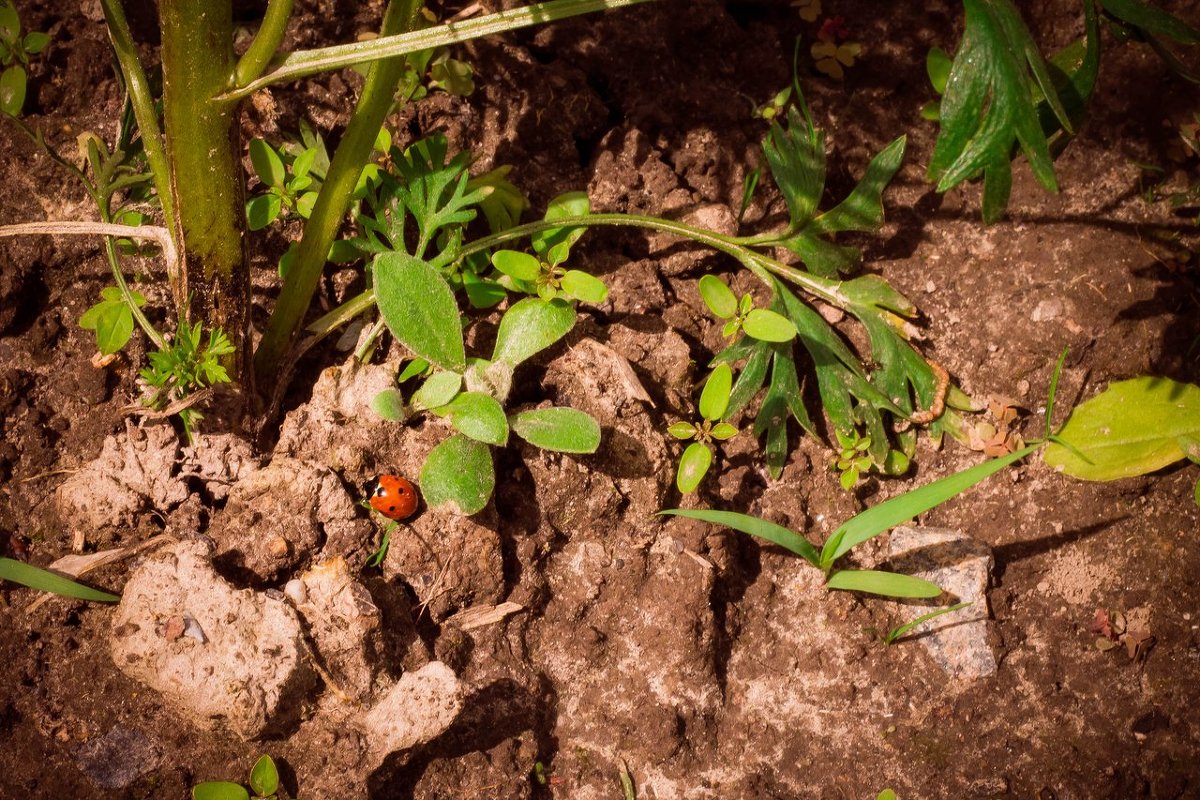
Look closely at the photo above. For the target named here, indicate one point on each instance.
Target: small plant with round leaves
(15, 51)
(762, 324)
(698, 456)
(264, 783)
(853, 458)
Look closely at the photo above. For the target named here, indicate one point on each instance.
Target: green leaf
(714, 399)
(717, 295)
(937, 66)
(682, 430)
(862, 210)
(750, 379)
(389, 405)
(902, 508)
(763, 529)
(990, 105)
(304, 163)
(898, 631)
(521, 266)
(433, 190)
(886, 794)
(12, 90)
(219, 790)
(571, 204)
(268, 166)
(264, 778)
(261, 211)
(479, 416)
(114, 326)
(45, 581)
(437, 390)
(584, 287)
(888, 584)
(530, 326)
(565, 430)
(35, 42)
(722, 431)
(459, 471)
(1132, 428)
(1152, 20)
(796, 156)
(10, 23)
(768, 326)
(482, 293)
(419, 309)
(693, 466)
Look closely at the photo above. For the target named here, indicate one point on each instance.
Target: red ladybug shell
(393, 496)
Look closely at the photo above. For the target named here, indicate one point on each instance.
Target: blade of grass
(898, 631)
(777, 534)
(37, 578)
(888, 584)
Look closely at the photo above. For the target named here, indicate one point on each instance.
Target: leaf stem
(266, 42)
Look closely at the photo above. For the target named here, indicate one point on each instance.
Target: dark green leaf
(530, 326)
(1152, 19)
(564, 430)
(862, 210)
(419, 309)
(796, 156)
(267, 164)
(389, 405)
(750, 379)
(12, 90)
(437, 390)
(459, 471)
(261, 211)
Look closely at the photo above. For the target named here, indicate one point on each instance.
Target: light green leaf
(521, 266)
(722, 431)
(459, 471)
(584, 287)
(12, 90)
(888, 584)
(304, 162)
(886, 794)
(219, 790)
(565, 430)
(768, 326)
(530, 326)
(937, 66)
(437, 390)
(682, 430)
(261, 211)
(897, 510)
(35, 42)
(714, 399)
(571, 204)
(717, 295)
(1132, 428)
(10, 23)
(264, 778)
(389, 405)
(267, 164)
(482, 293)
(304, 205)
(479, 416)
(763, 529)
(693, 466)
(419, 309)
(114, 326)
(45, 581)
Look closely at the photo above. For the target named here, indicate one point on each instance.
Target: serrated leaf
(521, 266)
(435, 192)
(888, 584)
(459, 471)
(1132, 428)
(565, 430)
(768, 326)
(45, 581)
(584, 287)
(763, 529)
(264, 778)
(717, 295)
(437, 390)
(530, 326)
(389, 405)
(862, 209)
(479, 416)
(750, 379)
(714, 398)
(693, 466)
(268, 166)
(419, 309)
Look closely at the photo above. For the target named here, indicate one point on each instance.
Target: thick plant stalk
(206, 175)
(335, 196)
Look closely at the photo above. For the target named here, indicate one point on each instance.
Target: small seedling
(43, 580)
(264, 782)
(892, 636)
(852, 459)
(698, 457)
(762, 324)
(185, 368)
(15, 51)
(833, 53)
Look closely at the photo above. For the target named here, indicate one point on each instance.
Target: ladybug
(393, 496)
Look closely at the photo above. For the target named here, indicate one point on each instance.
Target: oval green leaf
(682, 430)
(479, 416)
(521, 266)
(459, 471)
(1132, 428)
(12, 90)
(693, 466)
(717, 295)
(722, 431)
(389, 405)
(419, 309)
(767, 326)
(267, 164)
(114, 326)
(304, 162)
(584, 287)
(529, 326)
(261, 211)
(571, 204)
(264, 778)
(715, 397)
(219, 790)
(437, 390)
(565, 430)
(888, 584)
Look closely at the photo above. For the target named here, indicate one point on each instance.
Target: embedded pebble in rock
(962, 566)
(118, 758)
(1047, 310)
(243, 666)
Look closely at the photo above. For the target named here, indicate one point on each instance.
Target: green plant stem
(336, 194)
(266, 42)
(144, 110)
(325, 59)
(114, 261)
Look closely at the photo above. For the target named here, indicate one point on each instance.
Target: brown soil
(712, 666)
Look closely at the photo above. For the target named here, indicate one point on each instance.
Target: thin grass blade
(763, 529)
(37, 578)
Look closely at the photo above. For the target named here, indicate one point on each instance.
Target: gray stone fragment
(962, 567)
(247, 672)
(118, 758)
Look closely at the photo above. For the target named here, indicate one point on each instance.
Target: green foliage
(564, 430)
(419, 308)
(264, 783)
(15, 51)
(698, 456)
(861, 528)
(1132, 428)
(291, 187)
(45, 581)
(185, 367)
(892, 636)
(459, 471)
(111, 319)
(852, 460)
(741, 315)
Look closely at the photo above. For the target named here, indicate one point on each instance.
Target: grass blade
(37, 578)
(898, 631)
(888, 584)
(776, 534)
